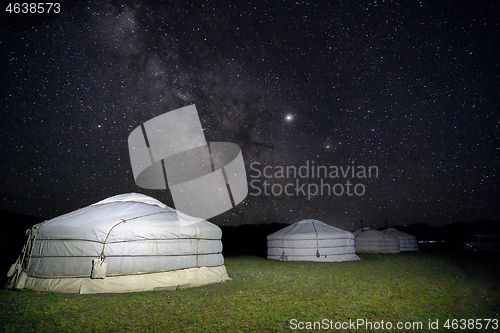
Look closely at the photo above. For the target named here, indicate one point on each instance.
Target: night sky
(411, 87)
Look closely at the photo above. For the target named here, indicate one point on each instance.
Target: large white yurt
(373, 241)
(126, 243)
(311, 240)
(407, 242)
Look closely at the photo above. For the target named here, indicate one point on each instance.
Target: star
(376, 92)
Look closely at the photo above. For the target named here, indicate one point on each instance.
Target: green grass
(264, 295)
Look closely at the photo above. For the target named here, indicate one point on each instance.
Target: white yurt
(407, 242)
(126, 243)
(373, 241)
(311, 240)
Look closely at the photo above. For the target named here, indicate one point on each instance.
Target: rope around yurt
(317, 241)
(99, 266)
(18, 272)
(282, 257)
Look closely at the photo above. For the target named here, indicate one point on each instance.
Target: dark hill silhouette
(248, 239)
(12, 239)
(455, 233)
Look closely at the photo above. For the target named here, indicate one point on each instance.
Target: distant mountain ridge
(12, 238)
(251, 238)
(457, 232)
(246, 239)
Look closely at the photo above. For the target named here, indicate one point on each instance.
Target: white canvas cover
(407, 242)
(373, 241)
(311, 240)
(144, 244)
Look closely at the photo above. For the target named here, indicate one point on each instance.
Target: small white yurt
(407, 242)
(126, 243)
(311, 240)
(373, 241)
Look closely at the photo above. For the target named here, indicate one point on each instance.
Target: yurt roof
(139, 216)
(372, 234)
(132, 197)
(398, 233)
(310, 228)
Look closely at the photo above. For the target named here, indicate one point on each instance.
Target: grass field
(264, 296)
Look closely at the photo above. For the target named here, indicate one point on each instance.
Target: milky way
(410, 87)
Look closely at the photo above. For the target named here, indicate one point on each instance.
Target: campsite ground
(270, 296)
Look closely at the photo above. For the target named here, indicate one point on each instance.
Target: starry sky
(411, 87)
